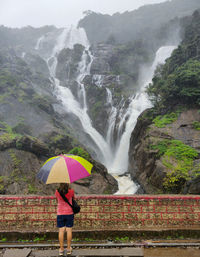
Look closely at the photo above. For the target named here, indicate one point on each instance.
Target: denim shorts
(65, 221)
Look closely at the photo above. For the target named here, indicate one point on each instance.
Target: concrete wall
(137, 212)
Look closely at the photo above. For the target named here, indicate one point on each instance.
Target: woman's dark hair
(63, 188)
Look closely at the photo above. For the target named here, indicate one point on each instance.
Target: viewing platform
(108, 225)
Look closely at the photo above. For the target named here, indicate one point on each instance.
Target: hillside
(165, 145)
(31, 130)
(145, 22)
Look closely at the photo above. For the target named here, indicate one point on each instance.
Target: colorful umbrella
(65, 168)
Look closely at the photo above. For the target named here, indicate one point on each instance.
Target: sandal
(69, 252)
(61, 253)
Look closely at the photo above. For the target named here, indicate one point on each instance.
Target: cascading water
(115, 161)
(39, 42)
(138, 104)
(112, 118)
(84, 69)
(65, 96)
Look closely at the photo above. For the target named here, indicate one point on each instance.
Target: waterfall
(111, 119)
(138, 104)
(116, 160)
(84, 69)
(39, 42)
(98, 79)
(67, 39)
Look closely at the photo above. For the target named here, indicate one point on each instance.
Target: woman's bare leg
(61, 235)
(69, 238)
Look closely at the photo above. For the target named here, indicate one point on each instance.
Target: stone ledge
(102, 235)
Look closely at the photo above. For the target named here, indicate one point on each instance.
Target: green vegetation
(2, 179)
(122, 239)
(182, 86)
(75, 239)
(4, 239)
(32, 189)
(7, 129)
(6, 80)
(12, 132)
(21, 128)
(61, 141)
(38, 239)
(8, 136)
(96, 108)
(23, 240)
(162, 121)
(87, 239)
(196, 125)
(179, 160)
(80, 152)
(42, 102)
(161, 146)
(16, 163)
(178, 81)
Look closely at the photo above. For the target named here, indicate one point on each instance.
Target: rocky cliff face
(104, 87)
(155, 171)
(22, 156)
(30, 129)
(165, 145)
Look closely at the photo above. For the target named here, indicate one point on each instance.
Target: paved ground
(172, 252)
(148, 252)
(17, 252)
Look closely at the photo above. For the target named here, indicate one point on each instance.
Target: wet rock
(145, 166)
(32, 145)
(102, 54)
(68, 62)
(37, 64)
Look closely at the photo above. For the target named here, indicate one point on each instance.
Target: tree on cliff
(178, 81)
(182, 86)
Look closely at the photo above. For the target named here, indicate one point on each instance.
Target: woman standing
(65, 216)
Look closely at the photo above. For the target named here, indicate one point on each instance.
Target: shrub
(162, 121)
(196, 125)
(80, 152)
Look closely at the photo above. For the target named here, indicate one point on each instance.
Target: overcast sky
(61, 13)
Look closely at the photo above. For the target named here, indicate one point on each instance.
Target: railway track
(99, 245)
(92, 249)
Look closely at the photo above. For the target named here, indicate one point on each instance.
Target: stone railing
(137, 212)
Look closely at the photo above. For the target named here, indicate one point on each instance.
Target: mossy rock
(22, 128)
(161, 121)
(59, 142)
(178, 159)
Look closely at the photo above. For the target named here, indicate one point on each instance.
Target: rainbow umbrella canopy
(65, 168)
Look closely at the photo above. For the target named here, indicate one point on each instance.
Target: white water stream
(138, 104)
(115, 161)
